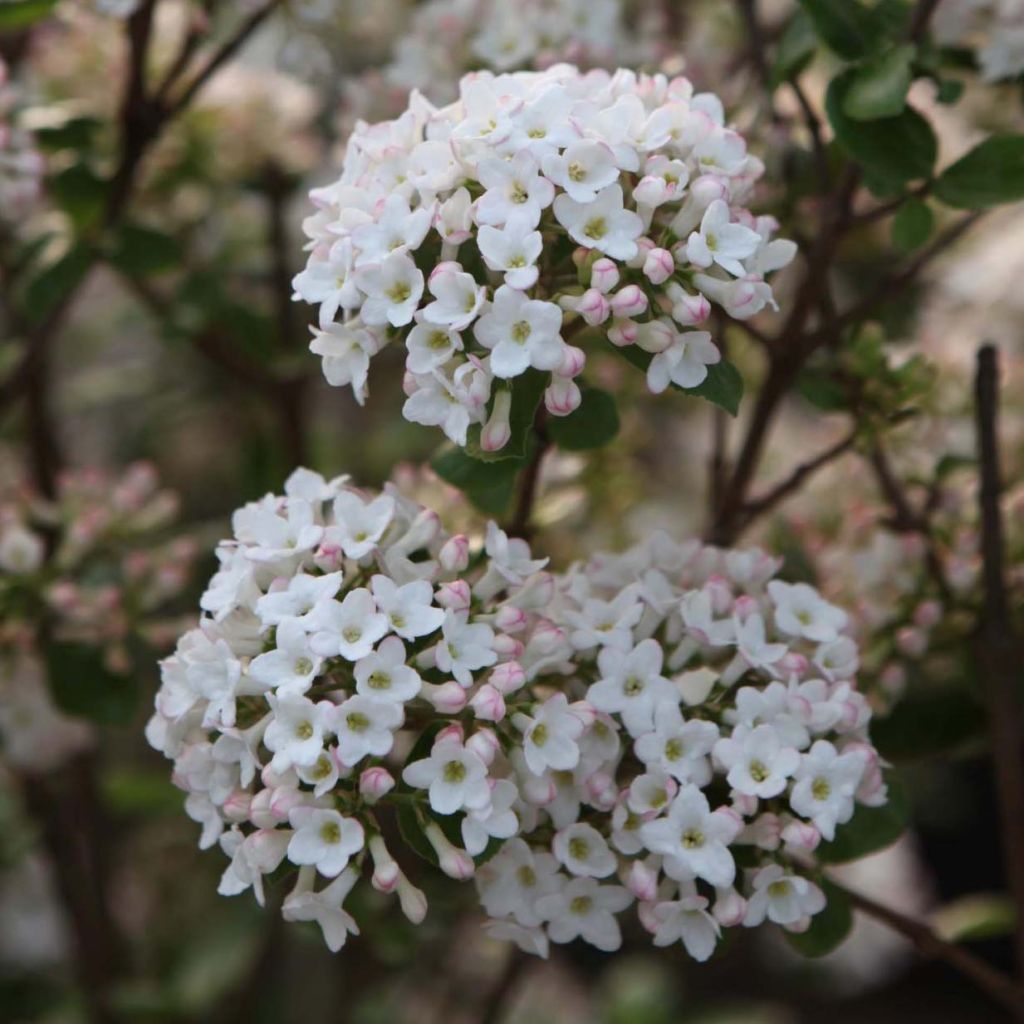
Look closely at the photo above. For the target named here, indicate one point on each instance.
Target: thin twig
(999, 647)
(497, 1000)
(931, 945)
(526, 493)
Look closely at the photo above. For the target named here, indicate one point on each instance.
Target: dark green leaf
(795, 50)
(77, 133)
(412, 832)
(81, 194)
(823, 390)
(488, 485)
(949, 90)
(82, 685)
(141, 251)
(829, 928)
(19, 14)
(50, 288)
(878, 88)
(847, 27)
(912, 225)
(723, 385)
(925, 724)
(893, 150)
(592, 425)
(870, 828)
(990, 174)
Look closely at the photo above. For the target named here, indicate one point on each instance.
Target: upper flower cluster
(485, 234)
(21, 165)
(673, 727)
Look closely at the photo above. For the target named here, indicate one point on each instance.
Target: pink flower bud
(488, 704)
(928, 614)
(454, 554)
(539, 789)
(744, 804)
(642, 881)
(893, 679)
(629, 301)
(411, 900)
(643, 246)
(507, 677)
(602, 791)
(584, 711)
(801, 837)
(547, 638)
(645, 913)
(793, 663)
(593, 307)
(507, 647)
(573, 361)
(329, 557)
(764, 831)
(510, 619)
(259, 810)
(484, 743)
(237, 807)
(497, 430)
(690, 310)
(375, 783)
(284, 800)
(744, 606)
(730, 908)
(912, 642)
(562, 396)
(455, 596)
(386, 871)
(659, 266)
(720, 591)
(537, 592)
(623, 333)
(455, 863)
(707, 188)
(604, 275)
(448, 698)
(454, 731)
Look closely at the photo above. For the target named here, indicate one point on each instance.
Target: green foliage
(878, 88)
(46, 291)
(592, 425)
(20, 14)
(990, 174)
(81, 194)
(82, 685)
(924, 724)
(527, 392)
(76, 133)
(847, 27)
(829, 928)
(488, 485)
(870, 829)
(912, 225)
(892, 150)
(141, 251)
(796, 49)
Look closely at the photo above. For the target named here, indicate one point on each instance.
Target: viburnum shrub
(539, 209)
(673, 727)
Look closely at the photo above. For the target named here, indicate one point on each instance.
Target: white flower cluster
(485, 234)
(21, 166)
(994, 27)
(671, 727)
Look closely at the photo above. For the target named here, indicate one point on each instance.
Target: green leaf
(592, 425)
(82, 685)
(829, 928)
(50, 288)
(878, 88)
(975, 917)
(870, 828)
(912, 225)
(949, 90)
(990, 174)
(141, 251)
(823, 390)
(81, 194)
(847, 27)
(19, 14)
(929, 723)
(77, 133)
(795, 50)
(893, 150)
(723, 385)
(488, 485)
(527, 392)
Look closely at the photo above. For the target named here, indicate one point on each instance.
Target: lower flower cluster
(672, 728)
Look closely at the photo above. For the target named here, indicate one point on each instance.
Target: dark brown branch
(931, 945)
(921, 17)
(999, 647)
(496, 1004)
(814, 130)
(526, 492)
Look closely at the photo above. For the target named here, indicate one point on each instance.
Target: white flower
(360, 525)
(430, 346)
(520, 332)
(513, 249)
(323, 839)
(694, 838)
(757, 761)
(824, 786)
(21, 550)
(603, 223)
(292, 666)
(295, 735)
(583, 169)
(396, 229)
(584, 851)
(451, 403)
(783, 899)
(585, 909)
(511, 561)
(686, 920)
(498, 821)
(631, 684)
(454, 777)
(752, 644)
(393, 290)
(324, 907)
(720, 241)
(457, 298)
(365, 727)
(349, 627)
(513, 188)
(801, 611)
(345, 350)
(511, 882)
(271, 537)
(464, 648)
(606, 623)
(409, 608)
(383, 674)
(550, 736)
(684, 363)
(678, 747)
(297, 599)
